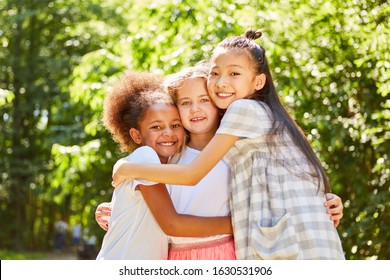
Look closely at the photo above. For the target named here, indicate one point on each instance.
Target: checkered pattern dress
(277, 207)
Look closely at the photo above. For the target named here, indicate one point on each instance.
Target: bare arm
(180, 174)
(174, 224)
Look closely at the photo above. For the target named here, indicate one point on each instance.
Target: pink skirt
(219, 249)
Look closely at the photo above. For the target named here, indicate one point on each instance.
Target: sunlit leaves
(330, 62)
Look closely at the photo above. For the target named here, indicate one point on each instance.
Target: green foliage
(334, 75)
(59, 58)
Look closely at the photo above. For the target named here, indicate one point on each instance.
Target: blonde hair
(172, 83)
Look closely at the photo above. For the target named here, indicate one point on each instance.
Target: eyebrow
(186, 97)
(161, 121)
(230, 65)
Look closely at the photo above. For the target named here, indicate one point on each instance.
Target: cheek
(180, 137)
(182, 112)
(213, 97)
(209, 84)
(147, 142)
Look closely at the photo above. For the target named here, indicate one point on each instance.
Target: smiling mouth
(167, 144)
(224, 94)
(198, 119)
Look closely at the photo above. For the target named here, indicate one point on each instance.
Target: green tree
(59, 58)
(332, 68)
(41, 43)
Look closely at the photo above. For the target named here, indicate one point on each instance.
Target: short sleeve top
(133, 232)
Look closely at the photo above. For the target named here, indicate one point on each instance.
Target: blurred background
(58, 59)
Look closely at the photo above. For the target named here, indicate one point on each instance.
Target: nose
(168, 131)
(194, 108)
(221, 82)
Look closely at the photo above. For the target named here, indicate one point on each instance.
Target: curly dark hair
(126, 104)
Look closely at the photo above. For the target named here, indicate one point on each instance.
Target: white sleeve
(144, 155)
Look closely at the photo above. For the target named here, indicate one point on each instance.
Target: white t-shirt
(133, 233)
(210, 197)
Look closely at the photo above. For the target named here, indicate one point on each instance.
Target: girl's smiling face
(232, 77)
(160, 129)
(198, 113)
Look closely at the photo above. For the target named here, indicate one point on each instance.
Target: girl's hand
(103, 215)
(117, 178)
(335, 208)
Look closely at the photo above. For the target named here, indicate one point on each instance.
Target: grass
(11, 255)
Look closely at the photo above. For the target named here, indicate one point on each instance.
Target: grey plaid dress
(277, 207)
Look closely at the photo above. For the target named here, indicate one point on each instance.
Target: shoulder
(246, 105)
(144, 154)
(239, 103)
(246, 118)
(246, 108)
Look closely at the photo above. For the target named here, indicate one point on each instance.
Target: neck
(199, 141)
(163, 160)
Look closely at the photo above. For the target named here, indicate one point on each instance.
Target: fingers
(335, 215)
(103, 215)
(329, 196)
(105, 204)
(335, 212)
(103, 221)
(103, 209)
(104, 226)
(335, 208)
(333, 201)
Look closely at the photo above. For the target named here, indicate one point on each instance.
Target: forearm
(178, 174)
(193, 226)
(172, 223)
(167, 173)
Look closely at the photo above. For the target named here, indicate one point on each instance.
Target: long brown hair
(281, 118)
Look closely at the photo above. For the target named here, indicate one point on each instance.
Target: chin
(222, 105)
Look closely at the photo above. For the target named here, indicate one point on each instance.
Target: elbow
(171, 229)
(174, 225)
(192, 178)
(193, 181)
